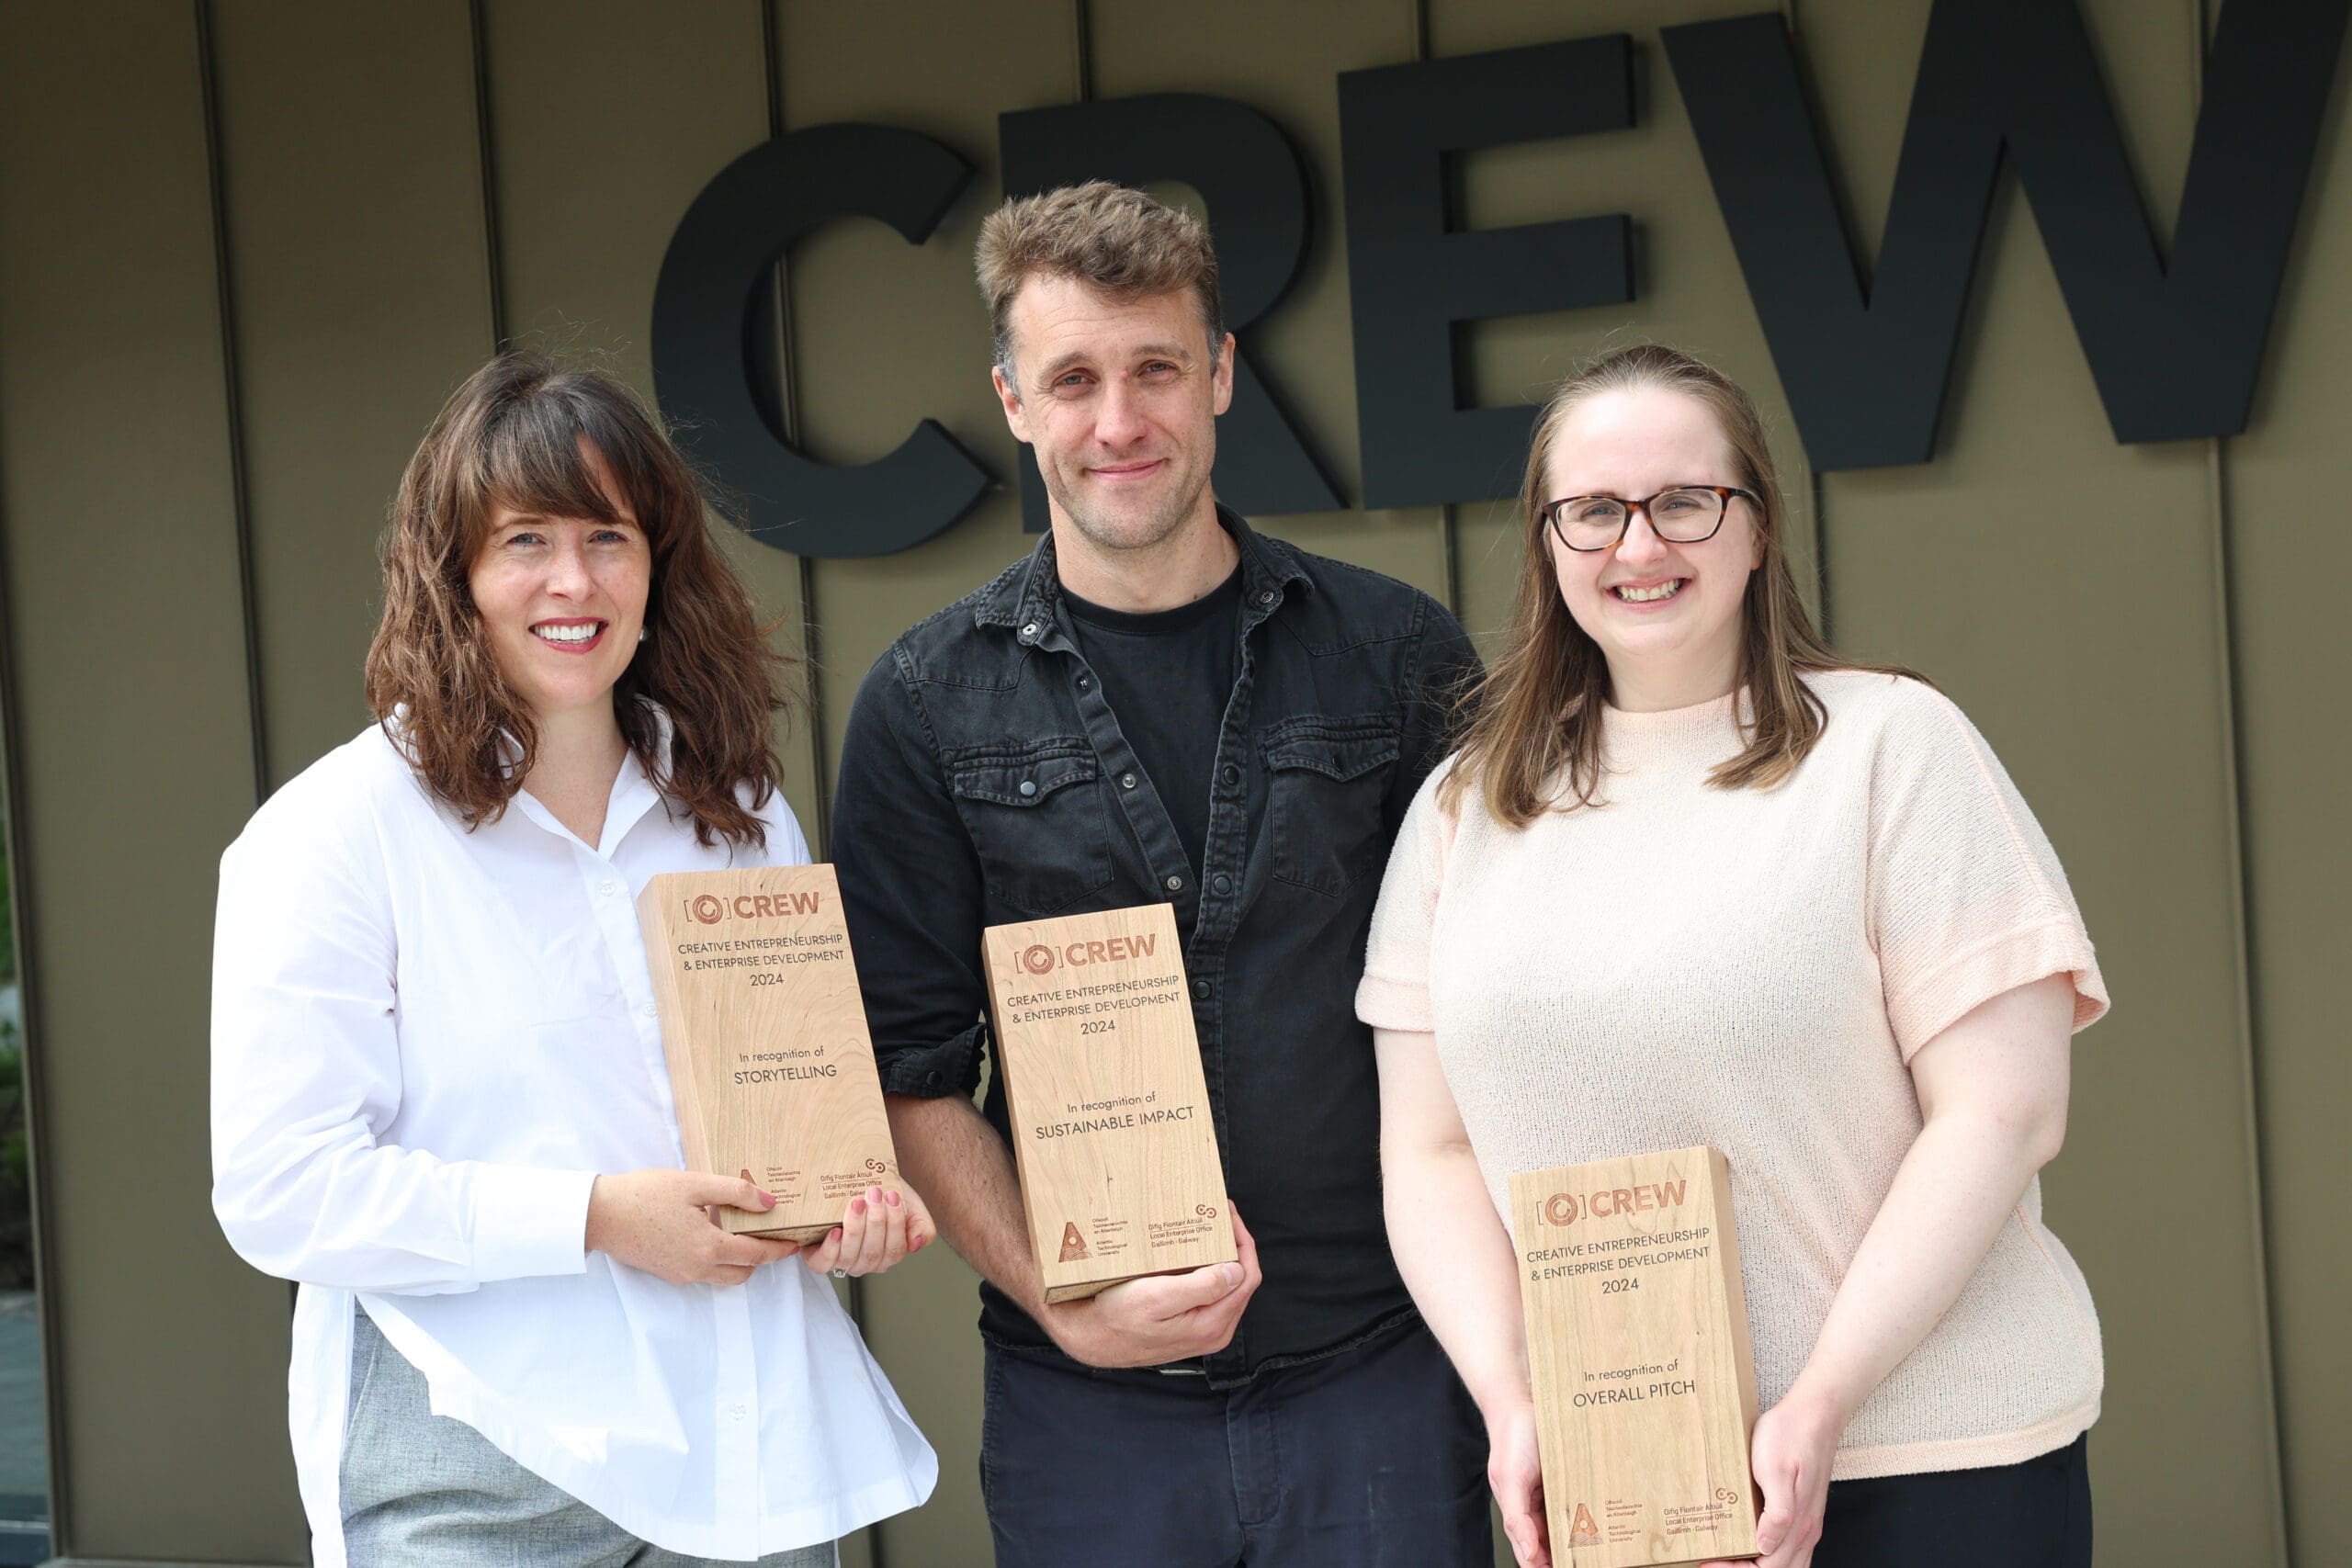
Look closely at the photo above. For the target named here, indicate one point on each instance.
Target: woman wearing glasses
(1693, 878)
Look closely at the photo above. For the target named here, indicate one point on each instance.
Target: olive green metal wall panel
(1305, 347)
(1688, 289)
(626, 107)
(133, 745)
(887, 333)
(884, 334)
(2285, 481)
(2061, 588)
(360, 273)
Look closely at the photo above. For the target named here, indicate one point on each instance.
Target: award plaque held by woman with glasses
(1694, 879)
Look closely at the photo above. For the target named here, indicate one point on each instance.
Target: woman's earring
(644, 634)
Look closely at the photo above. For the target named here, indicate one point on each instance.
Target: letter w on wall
(2174, 348)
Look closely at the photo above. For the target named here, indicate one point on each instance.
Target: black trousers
(1373, 1456)
(2035, 1515)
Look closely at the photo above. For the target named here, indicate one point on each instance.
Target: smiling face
(1119, 400)
(1667, 616)
(561, 601)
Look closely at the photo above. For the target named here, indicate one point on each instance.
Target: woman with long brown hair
(1693, 878)
(440, 1100)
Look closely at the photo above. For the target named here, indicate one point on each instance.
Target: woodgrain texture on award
(1110, 1111)
(1637, 1341)
(770, 1064)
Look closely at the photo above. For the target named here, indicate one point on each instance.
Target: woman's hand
(878, 1229)
(662, 1221)
(1516, 1474)
(1796, 1442)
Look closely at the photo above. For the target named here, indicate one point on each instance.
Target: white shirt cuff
(529, 1222)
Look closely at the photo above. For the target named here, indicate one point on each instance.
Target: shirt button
(1200, 989)
(608, 887)
(1028, 787)
(1223, 882)
(1029, 632)
(1265, 596)
(1085, 683)
(1230, 774)
(1175, 884)
(1127, 780)
(736, 1412)
(650, 1011)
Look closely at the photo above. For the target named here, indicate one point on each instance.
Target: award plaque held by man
(1112, 1137)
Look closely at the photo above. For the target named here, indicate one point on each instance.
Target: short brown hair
(1534, 745)
(1116, 241)
(512, 436)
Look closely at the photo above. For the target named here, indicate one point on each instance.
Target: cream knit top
(1754, 969)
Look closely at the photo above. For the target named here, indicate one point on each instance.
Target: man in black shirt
(1161, 703)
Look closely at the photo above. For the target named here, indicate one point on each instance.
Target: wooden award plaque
(770, 1065)
(1111, 1128)
(1637, 1342)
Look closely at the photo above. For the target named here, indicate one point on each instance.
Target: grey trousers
(422, 1490)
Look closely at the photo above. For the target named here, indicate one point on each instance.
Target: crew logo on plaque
(771, 1066)
(1638, 1348)
(1111, 1128)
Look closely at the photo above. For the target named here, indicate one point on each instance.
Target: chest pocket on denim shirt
(1039, 822)
(1326, 779)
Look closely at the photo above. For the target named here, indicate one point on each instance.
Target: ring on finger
(840, 1273)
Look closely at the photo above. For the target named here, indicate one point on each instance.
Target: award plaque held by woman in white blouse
(439, 1098)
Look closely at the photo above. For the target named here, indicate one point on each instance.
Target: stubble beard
(1114, 537)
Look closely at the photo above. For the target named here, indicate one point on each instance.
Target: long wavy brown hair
(1537, 723)
(517, 434)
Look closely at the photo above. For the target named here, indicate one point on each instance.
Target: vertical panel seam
(1449, 524)
(232, 394)
(494, 252)
(788, 404)
(1826, 626)
(2233, 738)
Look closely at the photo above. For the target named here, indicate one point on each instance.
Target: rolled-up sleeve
(911, 889)
(307, 1073)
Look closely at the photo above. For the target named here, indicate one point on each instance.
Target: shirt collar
(1029, 597)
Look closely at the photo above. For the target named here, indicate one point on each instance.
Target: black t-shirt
(1167, 676)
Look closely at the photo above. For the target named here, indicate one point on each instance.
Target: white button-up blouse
(426, 1043)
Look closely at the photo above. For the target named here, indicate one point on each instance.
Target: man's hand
(1516, 1475)
(877, 1229)
(1162, 1318)
(660, 1220)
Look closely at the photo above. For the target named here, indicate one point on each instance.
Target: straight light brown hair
(1535, 742)
(517, 434)
(1117, 242)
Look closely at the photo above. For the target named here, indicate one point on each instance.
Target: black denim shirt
(985, 780)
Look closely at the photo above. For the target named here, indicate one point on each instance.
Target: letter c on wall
(753, 211)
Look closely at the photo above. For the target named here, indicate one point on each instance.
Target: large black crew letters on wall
(2174, 348)
(748, 216)
(2175, 343)
(1411, 280)
(1255, 187)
